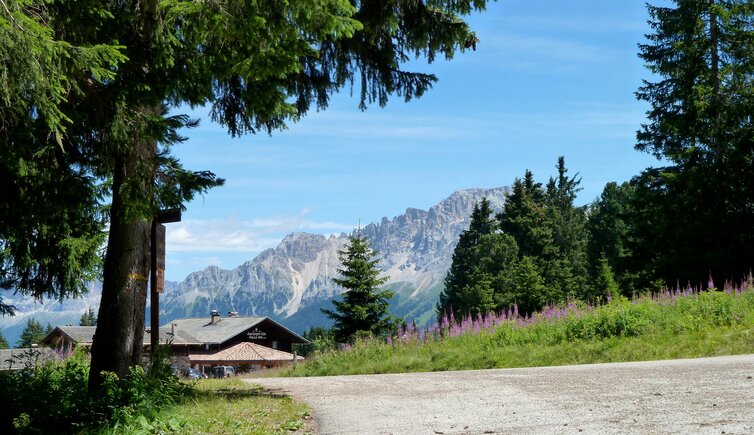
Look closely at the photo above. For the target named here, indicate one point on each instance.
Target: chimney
(173, 328)
(214, 314)
(232, 313)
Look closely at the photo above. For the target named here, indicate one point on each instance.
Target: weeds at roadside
(680, 323)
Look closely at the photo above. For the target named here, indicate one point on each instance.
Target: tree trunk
(119, 336)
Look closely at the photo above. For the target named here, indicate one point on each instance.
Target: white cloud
(237, 235)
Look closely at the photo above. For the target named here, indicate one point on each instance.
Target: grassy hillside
(677, 324)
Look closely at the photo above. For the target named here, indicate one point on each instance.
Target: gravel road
(708, 395)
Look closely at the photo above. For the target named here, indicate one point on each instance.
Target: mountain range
(292, 281)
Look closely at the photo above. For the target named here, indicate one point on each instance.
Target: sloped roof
(223, 329)
(16, 359)
(80, 334)
(196, 331)
(245, 352)
(84, 336)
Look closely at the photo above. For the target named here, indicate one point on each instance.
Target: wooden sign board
(256, 334)
(160, 254)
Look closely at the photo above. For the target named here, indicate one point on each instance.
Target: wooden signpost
(157, 271)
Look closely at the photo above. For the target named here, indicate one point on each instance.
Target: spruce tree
(551, 231)
(605, 285)
(524, 217)
(89, 318)
(694, 215)
(568, 224)
(364, 308)
(609, 228)
(33, 333)
(126, 64)
(3, 342)
(472, 281)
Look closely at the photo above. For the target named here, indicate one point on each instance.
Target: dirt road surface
(707, 396)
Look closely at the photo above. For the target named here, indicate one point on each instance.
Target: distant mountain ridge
(415, 248)
(292, 281)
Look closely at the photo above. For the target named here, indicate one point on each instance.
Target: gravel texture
(707, 396)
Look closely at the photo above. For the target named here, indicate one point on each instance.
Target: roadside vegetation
(51, 397)
(680, 323)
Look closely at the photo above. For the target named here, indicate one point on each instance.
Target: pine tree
(477, 272)
(694, 215)
(529, 288)
(33, 333)
(609, 228)
(364, 308)
(89, 318)
(569, 234)
(525, 218)
(551, 232)
(605, 284)
(257, 66)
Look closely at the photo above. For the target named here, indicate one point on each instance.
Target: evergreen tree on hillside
(609, 229)
(89, 318)
(480, 269)
(568, 224)
(33, 333)
(525, 218)
(364, 307)
(463, 262)
(694, 215)
(3, 342)
(551, 231)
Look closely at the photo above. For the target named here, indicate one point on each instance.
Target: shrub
(52, 397)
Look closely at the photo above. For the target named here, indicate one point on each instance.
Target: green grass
(223, 406)
(663, 327)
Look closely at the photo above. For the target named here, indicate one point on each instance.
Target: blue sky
(548, 78)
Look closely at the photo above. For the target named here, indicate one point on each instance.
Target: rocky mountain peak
(291, 281)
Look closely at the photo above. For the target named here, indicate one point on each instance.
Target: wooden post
(157, 271)
(154, 296)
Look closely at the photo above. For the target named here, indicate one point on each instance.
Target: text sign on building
(256, 334)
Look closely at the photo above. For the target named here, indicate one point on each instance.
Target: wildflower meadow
(674, 323)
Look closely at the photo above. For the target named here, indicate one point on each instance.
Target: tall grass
(671, 324)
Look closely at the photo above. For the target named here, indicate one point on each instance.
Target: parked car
(192, 374)
(223, 371)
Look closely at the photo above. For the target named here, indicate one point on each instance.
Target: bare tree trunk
(118, 340)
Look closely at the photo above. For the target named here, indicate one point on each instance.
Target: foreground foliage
(671, 324)
(51, 397)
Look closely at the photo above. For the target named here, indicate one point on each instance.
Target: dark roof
(223, 329)
(84, 335)
(80, 334)
(196, 331)
(16, 359)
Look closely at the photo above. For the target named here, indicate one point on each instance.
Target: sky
(548, 78)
